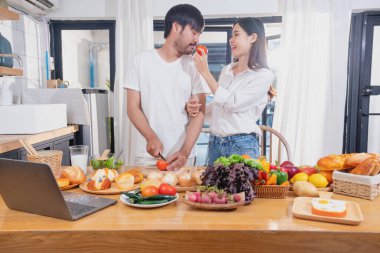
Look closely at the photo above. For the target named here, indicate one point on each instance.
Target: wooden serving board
(302, 209)
(110, 191)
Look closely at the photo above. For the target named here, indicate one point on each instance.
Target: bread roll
(332, 162)
(109, 173)
(97, 185)
(369, 167)
(125, 181)
(74, 174)
(62, 182)
(357, 159)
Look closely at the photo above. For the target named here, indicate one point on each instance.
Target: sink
(32, 118)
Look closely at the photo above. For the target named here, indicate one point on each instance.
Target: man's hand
(154, 146)
(177, 160)
(193, 106)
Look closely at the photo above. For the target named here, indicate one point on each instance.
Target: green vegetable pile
(109, 163)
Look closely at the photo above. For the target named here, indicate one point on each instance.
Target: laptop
(31, 187)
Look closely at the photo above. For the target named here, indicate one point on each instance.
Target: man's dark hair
(184, 14)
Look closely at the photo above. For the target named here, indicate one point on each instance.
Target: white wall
(28, 40)
(106, 9)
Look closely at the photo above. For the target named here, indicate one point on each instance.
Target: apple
(308, 169)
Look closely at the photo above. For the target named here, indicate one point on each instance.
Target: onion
(197, 176)
(185, 179)
(155, 175)
(170, 178)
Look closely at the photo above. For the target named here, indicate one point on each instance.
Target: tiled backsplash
(28, 39)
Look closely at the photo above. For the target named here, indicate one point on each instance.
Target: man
(159, 83)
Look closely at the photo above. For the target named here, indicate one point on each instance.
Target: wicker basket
(366, 187)
(271, 191)
(51, 157)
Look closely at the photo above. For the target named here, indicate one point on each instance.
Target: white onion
(185, 179)
(155, 175)
(170, 178)
(197, 176)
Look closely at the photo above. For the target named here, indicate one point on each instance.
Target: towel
(77, 107)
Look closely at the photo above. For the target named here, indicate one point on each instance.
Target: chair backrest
(281, 142)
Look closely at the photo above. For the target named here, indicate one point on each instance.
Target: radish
(193, 198)
(199, 198)
(206, 199)
(237, 198)
(220, 199)
(212, 195)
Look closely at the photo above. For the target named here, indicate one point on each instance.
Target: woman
(241, 94)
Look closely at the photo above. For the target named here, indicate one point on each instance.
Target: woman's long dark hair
(258, 55)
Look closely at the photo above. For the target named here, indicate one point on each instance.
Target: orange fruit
(245, 156)
(328, 175)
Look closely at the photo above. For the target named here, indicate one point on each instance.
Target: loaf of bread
(100, 184)
(62, 182)
(333, 162)
(74, 174)
(357, 159)
(370, 167)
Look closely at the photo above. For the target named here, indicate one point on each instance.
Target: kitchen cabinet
(59, 143)
(59, 139)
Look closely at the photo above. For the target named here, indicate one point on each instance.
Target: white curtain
(134, 33)
(313, 77)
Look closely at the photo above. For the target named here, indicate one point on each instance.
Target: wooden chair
(281, 142)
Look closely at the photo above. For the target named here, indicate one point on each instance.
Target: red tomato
(201, 49)
(149, 191)
(162, 164)
(167, 189)
(172, 190)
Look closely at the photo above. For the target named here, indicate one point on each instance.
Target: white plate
(125, 200)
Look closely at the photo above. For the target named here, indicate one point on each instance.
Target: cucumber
(152, 202)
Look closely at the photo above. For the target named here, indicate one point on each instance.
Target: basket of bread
(355, 174)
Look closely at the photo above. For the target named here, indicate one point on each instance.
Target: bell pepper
(281, 176)
(263, 161)
(263, 174)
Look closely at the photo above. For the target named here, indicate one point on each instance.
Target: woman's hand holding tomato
(200, 60)
(162, 164)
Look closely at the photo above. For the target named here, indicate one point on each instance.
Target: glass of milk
(79, 156)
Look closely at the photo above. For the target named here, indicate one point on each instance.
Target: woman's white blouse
(239, 101)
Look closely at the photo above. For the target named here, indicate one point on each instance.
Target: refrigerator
(98, 134)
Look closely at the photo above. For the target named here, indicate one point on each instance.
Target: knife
(161, 156)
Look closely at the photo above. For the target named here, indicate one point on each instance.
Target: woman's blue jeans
(235, 144)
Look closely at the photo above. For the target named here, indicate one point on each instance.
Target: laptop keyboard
(78, 209)
(78, 198)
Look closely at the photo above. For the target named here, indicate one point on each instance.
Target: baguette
(357, 159)
(332, 162)
(369, 167)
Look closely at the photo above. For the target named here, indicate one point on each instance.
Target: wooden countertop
(266, 225)
(10, 142)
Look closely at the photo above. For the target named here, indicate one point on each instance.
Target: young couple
(162, 81)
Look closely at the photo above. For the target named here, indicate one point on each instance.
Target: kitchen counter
(10, 142)
(266, 225)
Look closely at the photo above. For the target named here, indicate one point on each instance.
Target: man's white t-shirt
(164, 90)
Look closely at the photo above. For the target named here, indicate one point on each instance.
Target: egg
(329, 207)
